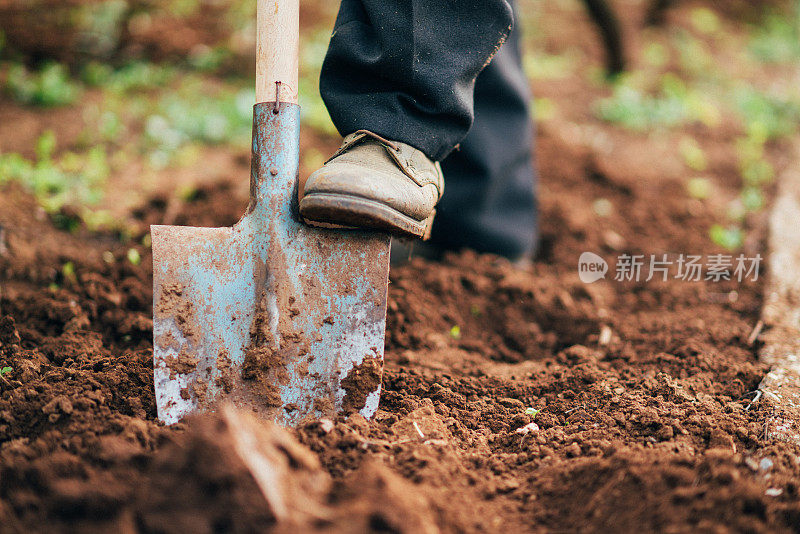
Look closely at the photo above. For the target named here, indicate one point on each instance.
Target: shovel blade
(202, 299)
(274, 316)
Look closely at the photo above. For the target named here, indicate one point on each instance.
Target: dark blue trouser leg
(406, 69)
(413, 71)
(490, 202)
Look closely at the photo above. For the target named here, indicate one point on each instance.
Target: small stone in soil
(527, 429)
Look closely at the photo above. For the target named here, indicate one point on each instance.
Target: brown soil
(648, 430)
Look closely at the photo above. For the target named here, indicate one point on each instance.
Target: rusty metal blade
(273, 315)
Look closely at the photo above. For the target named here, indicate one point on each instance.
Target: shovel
(276, 317)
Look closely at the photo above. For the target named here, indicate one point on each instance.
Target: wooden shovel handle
(277, 50)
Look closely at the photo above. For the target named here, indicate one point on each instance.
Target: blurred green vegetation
(193, 115)
(75, 178)
(160, 113)
(681, 82)
(51, 86)
(672, 102)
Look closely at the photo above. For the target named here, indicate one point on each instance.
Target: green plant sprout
(134, 256)
(193, 116)
(752, 198)
(455, 332)
(699, 188)
(766, 115)
(602, 207)
(693, 156)
(208, 59)
(694, 57)
(68, 271)
(730, 238)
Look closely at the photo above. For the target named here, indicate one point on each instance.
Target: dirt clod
(362, 380)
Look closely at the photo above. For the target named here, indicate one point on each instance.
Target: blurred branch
(611, 32)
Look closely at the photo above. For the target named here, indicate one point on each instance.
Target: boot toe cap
(395, 190)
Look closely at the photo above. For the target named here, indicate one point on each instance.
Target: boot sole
(331, 210)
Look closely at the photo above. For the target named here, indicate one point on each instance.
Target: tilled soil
(644, 389)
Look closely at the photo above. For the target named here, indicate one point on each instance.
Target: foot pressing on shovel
(406, 82)
(375, 183)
